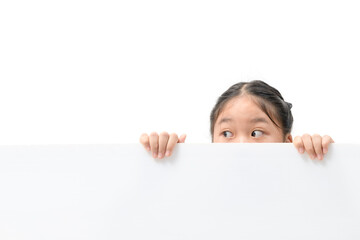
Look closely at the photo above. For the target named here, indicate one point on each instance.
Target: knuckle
(297, 140)
(164, 134)
(173, 135)
(306, 135)
(154, 143)
(328, 139)
(153, 134)
(144, 138)
(317, 139)
(154, 148)
(162, 144)
(308, 147)
(317, 136)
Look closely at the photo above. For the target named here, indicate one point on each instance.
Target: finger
(182, 138)
(154, 144)
(163, 141)
(299, 145)
(144, 140)
(308, 144)
(317, 144)
(326, 142)
(173, 139)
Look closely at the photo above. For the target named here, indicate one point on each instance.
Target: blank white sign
(204, 191)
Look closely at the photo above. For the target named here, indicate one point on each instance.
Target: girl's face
(242, 121)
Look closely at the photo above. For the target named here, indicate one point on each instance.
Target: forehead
(243, 108)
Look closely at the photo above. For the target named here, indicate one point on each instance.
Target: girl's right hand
(161, 145)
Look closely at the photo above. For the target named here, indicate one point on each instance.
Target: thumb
(182, 138)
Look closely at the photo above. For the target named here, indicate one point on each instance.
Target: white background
(106, 71)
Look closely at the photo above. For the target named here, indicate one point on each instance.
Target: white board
(204, 191)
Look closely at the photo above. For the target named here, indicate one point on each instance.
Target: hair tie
(289, 105)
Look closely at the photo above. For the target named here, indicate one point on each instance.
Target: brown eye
(257, 133)
(227, 134)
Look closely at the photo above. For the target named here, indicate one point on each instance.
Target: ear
(288, 138)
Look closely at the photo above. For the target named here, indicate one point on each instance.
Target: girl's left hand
(315, 145)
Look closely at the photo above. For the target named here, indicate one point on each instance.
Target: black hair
(268, 99)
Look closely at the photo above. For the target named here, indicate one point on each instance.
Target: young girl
(248, 112)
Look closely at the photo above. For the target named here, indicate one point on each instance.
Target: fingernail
(312, 157)
(301, 150)
(148, 149)
(160, 155)
(154, 155)
(167, 153)
(319, 156)
(325, 150)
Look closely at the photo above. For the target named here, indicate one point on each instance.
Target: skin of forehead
(244, 105)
